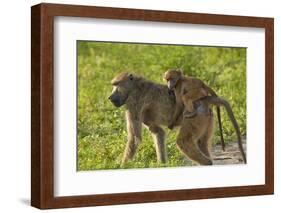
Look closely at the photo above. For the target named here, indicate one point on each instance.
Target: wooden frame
(42, 145)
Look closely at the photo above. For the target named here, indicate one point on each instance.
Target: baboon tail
(220, 127)
(236, 127)
(221, 102)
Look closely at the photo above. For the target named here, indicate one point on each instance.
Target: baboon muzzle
(115, 101)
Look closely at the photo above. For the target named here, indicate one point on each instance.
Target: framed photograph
(135, 106)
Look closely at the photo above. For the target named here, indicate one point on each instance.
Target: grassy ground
(101, 126)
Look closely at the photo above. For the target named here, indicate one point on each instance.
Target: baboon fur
(146, 103)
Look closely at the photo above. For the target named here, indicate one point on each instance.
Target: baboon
(146, 103)
(191, 89)
(187, 90)
(196, 132)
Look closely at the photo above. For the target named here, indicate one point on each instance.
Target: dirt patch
(231, 155)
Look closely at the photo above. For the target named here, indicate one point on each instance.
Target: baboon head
(122, 84)
(172, 76)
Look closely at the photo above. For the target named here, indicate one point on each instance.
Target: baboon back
(158, 104)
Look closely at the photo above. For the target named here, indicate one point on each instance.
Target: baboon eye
(131, 77)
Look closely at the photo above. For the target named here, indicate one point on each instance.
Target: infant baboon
(146, 103)
(187, 90)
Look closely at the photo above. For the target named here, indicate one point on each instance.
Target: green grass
(101, 126)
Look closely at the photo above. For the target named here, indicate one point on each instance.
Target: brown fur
(195, 138)
(195, 135)
(196, 131)
(146, 103)
(188, 90)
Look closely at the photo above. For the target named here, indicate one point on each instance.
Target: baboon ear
(131, 77)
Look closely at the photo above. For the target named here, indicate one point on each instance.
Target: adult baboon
(146, 103)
